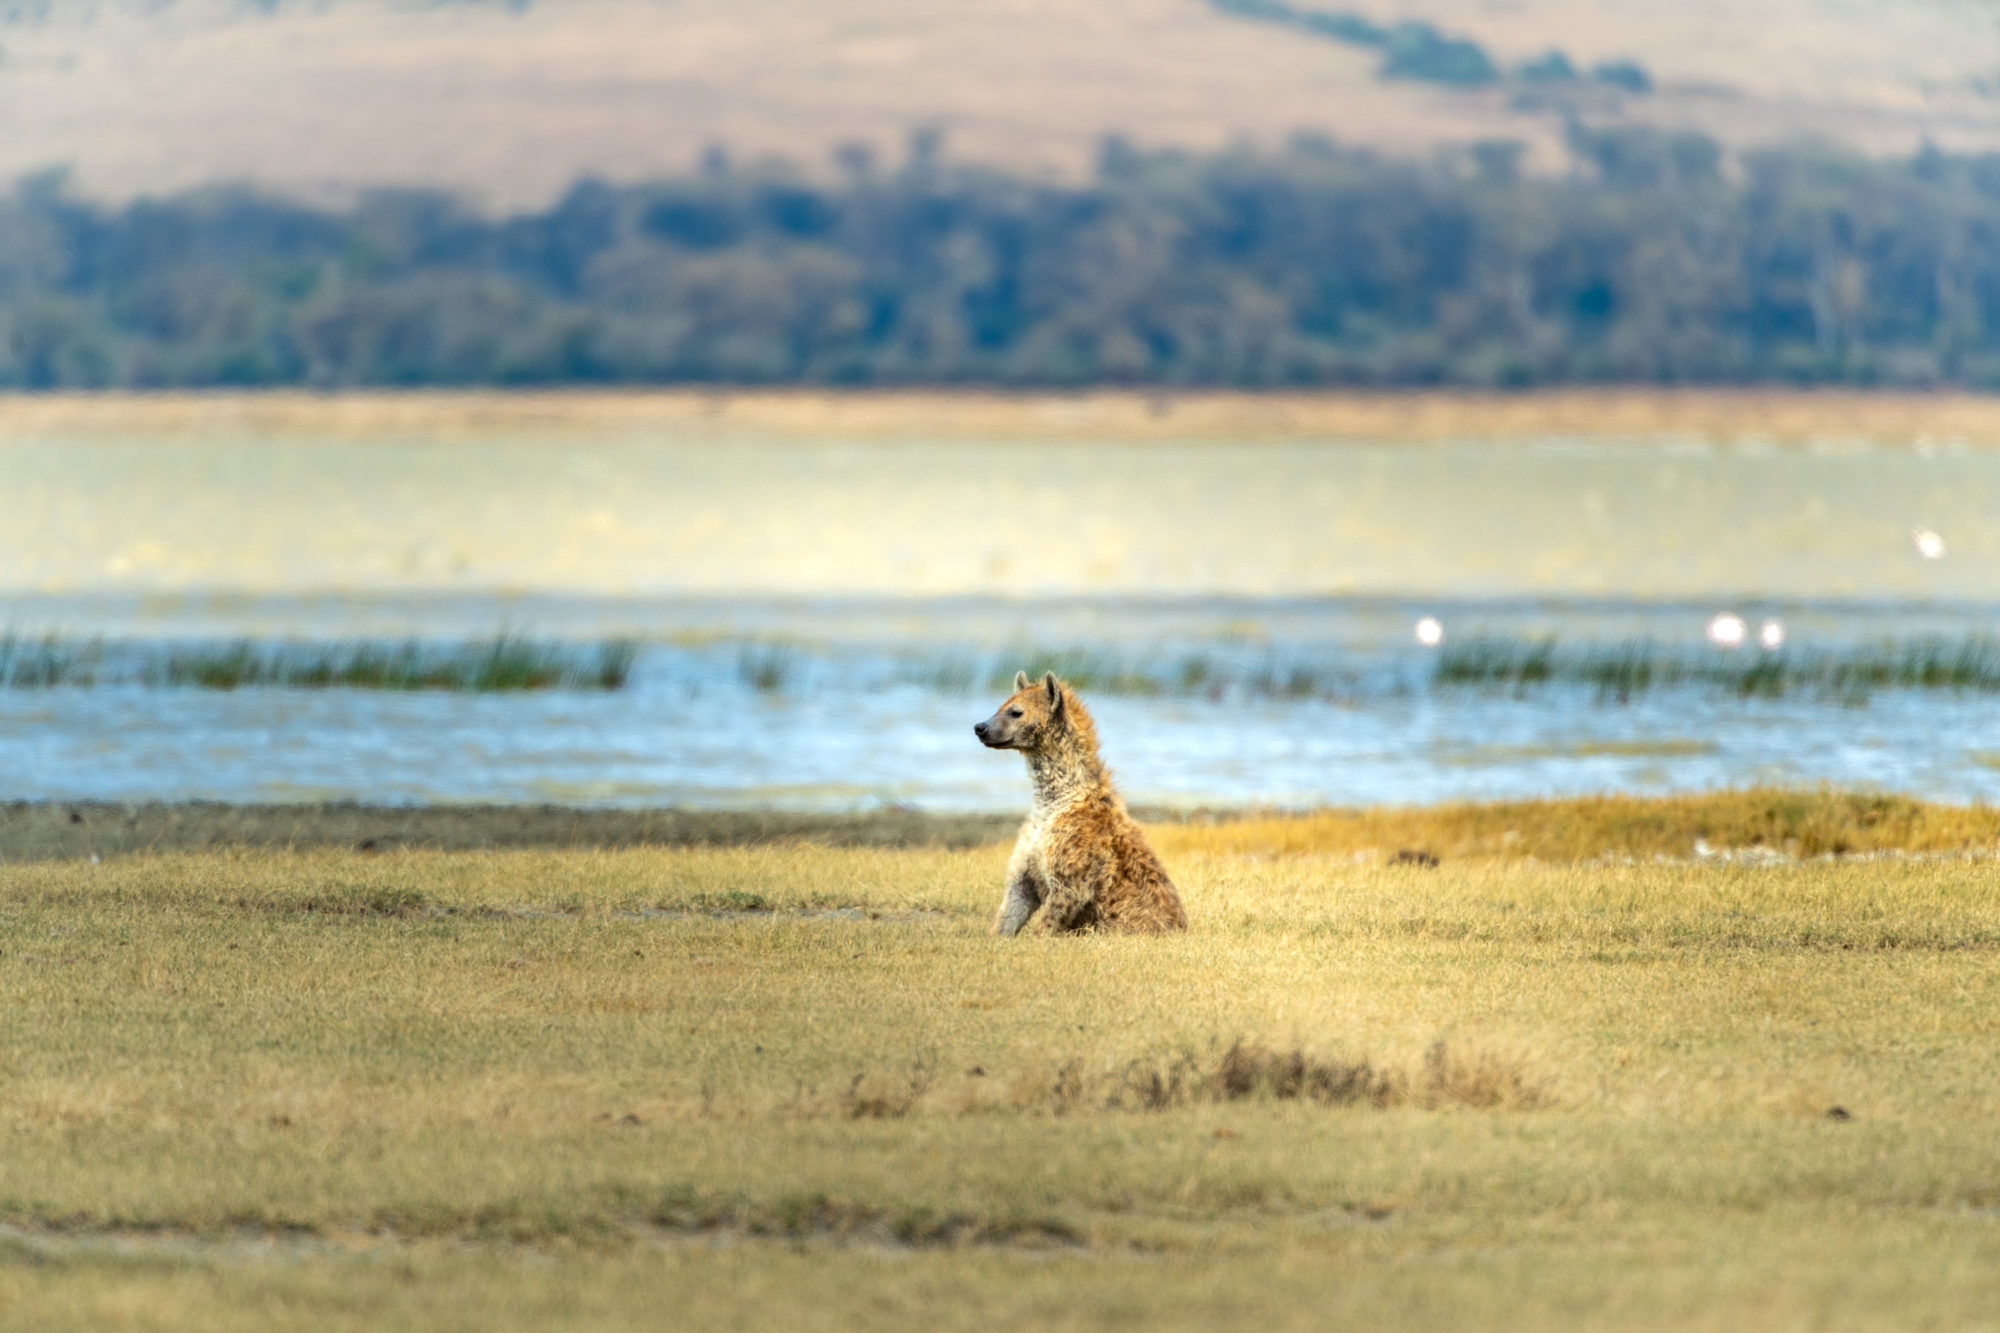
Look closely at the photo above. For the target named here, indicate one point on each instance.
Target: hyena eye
(1013, 712)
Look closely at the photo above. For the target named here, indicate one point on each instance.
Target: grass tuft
(347, 900)
(768, 668)
(868, 1098)
(1251, 1071)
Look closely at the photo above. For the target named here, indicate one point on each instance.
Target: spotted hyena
(1080, 857)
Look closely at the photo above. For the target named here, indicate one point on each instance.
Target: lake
(817, 622)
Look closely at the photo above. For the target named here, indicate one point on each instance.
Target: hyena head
(1030, 714)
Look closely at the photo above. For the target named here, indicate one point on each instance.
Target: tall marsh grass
(1846, 673)
(1220, 670)
(1849, 673)
(505, 662)
(1141, 673)
(28, 662)
(502, 664)
(768, 668)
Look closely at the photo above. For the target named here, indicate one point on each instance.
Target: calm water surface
(820, 622)
(839, 707)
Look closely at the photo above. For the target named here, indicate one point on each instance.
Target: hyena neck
(1065, 767)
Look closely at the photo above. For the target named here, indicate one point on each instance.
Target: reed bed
(1848, 672)
(503, 663)
(1223, 670)
(1144, 673)
(1844, 673)
(30, 662)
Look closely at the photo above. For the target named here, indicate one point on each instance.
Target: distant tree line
(1653, 260)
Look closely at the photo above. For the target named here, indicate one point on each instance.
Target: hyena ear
(1054, 688)
(1020, 680)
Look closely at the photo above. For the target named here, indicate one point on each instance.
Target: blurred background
(676, 403)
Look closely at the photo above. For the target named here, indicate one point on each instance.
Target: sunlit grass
(1499, 1092)
(1585, 828)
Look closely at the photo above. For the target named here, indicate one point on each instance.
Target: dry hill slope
(512, 102)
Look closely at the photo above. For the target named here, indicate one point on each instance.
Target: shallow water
(860, 705)
(822, 622)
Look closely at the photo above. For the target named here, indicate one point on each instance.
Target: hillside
(510, 102)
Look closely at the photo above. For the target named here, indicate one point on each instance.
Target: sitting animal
(1080, 857)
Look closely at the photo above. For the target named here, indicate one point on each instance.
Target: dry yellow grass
(1773, 821)
(795, 1086)
(1724, 416)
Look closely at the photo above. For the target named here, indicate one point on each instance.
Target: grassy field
(798, 1086)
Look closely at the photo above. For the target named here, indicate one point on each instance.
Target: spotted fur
(1080, 859)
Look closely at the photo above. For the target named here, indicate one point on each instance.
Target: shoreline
(1737, 416)
(1757, 824)
(79, 830)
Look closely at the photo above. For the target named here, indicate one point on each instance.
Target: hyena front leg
(1024, 895)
